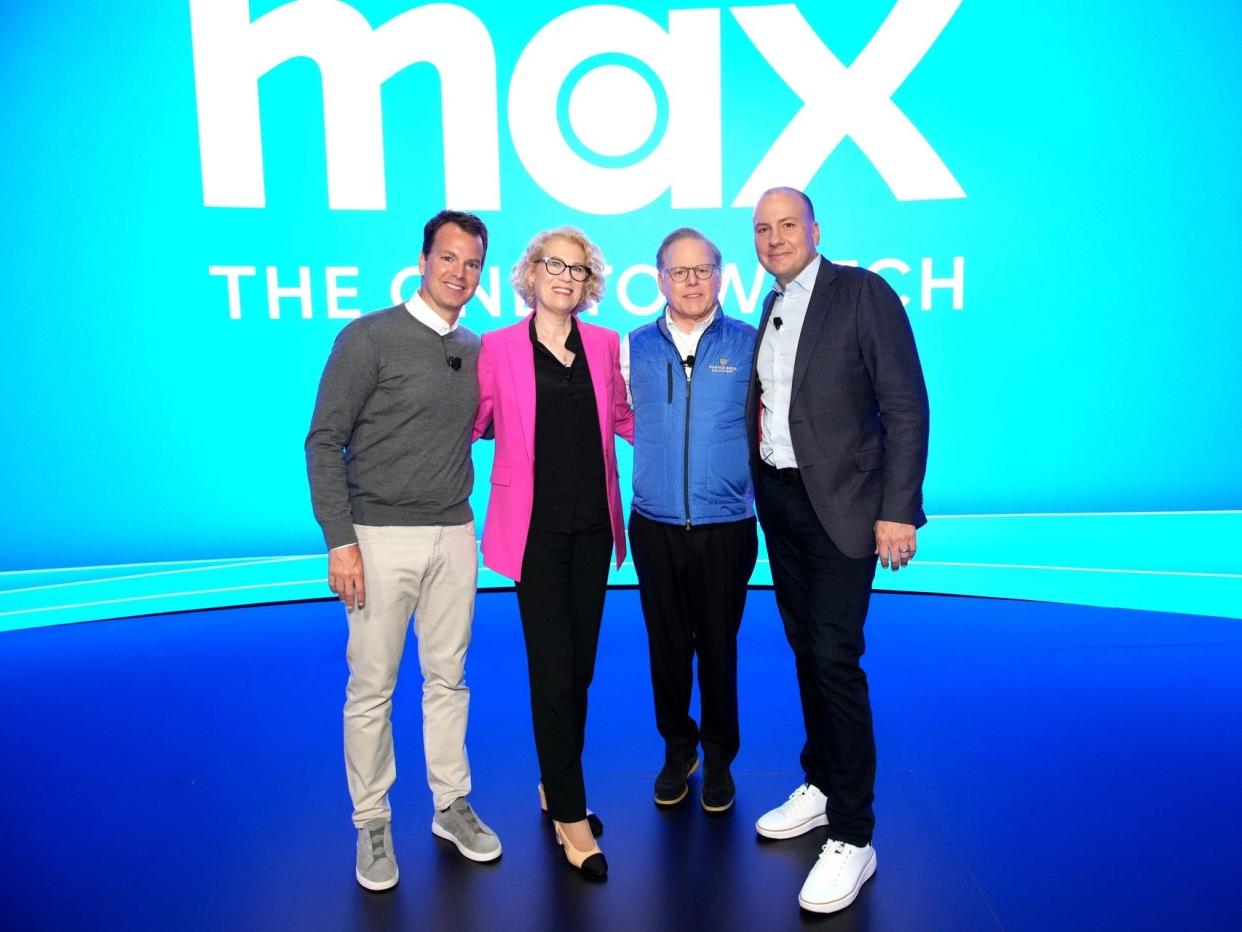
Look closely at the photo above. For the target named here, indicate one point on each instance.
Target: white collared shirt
(427, 317)
(687, 344)
(778, 348)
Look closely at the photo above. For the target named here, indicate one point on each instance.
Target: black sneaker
(670, 785)
(718, 789)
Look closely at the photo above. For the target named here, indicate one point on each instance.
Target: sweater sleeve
(349, 378)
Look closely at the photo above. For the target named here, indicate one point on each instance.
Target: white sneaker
(803, 811)
(837, 876)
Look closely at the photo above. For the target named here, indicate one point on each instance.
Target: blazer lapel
(522, 371)
(752, 389)
(817, 311)
(767, 312)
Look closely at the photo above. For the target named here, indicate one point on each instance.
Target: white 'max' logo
(231, 53)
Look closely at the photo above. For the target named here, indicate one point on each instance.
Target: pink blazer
(507, 402)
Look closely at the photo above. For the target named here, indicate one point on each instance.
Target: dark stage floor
(1041, 767)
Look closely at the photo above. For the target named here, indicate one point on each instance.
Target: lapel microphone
(453, 362)
(688, 362)
(776, 322)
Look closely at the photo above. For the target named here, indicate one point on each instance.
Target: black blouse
(569, 458)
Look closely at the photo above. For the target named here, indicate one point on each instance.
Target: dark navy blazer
(858, 411)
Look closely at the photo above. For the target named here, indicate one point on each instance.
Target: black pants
(561, 600)
(693, 589)
(823, 596)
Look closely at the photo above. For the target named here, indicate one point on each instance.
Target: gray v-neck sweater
(389, 442)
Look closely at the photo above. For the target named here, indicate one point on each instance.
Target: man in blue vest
(692, 528)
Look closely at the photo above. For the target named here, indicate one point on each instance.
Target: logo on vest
(723, 367)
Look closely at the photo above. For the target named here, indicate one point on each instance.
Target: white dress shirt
(687, 344)
(775, 365)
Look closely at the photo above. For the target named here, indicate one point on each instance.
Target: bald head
(794, 192)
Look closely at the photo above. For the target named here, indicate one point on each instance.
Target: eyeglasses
(678, 273)
(555, 266)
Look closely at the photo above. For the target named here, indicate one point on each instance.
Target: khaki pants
(430, 573)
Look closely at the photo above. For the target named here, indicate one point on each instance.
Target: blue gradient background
(1092, 369)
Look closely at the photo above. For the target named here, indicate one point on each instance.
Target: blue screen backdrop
(198, 195)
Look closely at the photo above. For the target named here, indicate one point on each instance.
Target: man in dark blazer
(838, 420)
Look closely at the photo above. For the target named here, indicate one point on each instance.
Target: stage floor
(1041, 767)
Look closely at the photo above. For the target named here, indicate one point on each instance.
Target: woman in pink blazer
(551, 388)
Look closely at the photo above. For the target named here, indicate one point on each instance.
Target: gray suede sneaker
(377, 865)
(459, 824)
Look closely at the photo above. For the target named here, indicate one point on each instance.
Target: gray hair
(686, 233)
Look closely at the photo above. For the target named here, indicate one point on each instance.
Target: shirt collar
(427, 317)
(806, 278)
(695, 329)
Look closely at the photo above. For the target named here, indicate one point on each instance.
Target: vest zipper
(686, 453)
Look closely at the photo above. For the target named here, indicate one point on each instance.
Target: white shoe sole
(377, 886)
(794, 830)
(685, 790)
(685, 787)
(465, 852)
(832, 906)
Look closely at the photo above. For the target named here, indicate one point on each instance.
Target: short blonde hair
(523, 275)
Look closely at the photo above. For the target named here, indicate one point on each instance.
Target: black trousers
(561, 600)
(823, 596)
(693, 589)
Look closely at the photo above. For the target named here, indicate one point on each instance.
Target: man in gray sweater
(388, 454)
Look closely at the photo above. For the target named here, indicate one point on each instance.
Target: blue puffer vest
(690, 456)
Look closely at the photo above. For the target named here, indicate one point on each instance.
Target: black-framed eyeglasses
(678, 273)
(555, 266)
